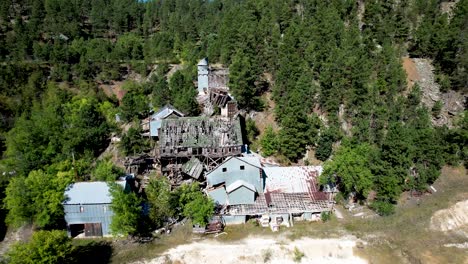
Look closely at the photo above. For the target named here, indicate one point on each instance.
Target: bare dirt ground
(453, 218)
(266, 117)
(421, 71)
(114, 89)
(412, 75)
(256, 249)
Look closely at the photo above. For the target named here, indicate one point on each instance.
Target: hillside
(373, 91)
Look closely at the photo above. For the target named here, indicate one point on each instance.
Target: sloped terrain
(453, 218)
(263, 250)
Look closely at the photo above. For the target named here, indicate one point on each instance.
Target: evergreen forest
(333, 70)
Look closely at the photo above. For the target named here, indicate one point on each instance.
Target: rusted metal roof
(298, 179)
(281, 203)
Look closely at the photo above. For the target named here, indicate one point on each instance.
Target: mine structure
(190, 145)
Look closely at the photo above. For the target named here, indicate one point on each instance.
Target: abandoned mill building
(190, 145)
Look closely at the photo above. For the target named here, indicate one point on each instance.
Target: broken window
(224, 169)
(242, 167)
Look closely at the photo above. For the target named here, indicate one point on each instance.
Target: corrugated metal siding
(91, 213)
(241, 195)
(234, 219)
(155, 125)
(218, 195)
(202, 78)
(250, 174)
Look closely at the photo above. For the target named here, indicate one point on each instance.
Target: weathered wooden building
(242, 187)
(209, 140)
(87, 209)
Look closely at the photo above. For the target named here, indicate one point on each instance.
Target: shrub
(298, 255)
(383, 208)
(326, 216)
(266, 254)
(44, 247)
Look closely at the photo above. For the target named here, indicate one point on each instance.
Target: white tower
(203, 71)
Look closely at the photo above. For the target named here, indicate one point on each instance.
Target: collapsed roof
(200, 132)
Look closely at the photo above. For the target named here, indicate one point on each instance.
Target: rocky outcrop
(421, 72)
(454, 218)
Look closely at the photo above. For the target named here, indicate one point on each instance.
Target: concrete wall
(241, 195)
(311, 216)
(285, 218)
(234, 219)
(250, 174)
(92, 213)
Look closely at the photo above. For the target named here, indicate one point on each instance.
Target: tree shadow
(3, 212)
(93, 252)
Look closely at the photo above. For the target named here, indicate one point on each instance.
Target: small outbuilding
(87, 209)
(241, 192)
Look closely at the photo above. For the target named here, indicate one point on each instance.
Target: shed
(241, 192)
(87, 209)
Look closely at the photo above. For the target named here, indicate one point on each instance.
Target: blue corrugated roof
(89, 193)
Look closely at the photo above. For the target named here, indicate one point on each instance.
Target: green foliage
(192, 203)
(127, 208)
(132, 142)
(51, 247)
(159, 198)
(251, 129)
(200, 209)
(134, 102)
(324, 146)
(269, 142)
(325, 216)
(437, 108)
(318, 56)
(129, 46)
(383, 208)
(183, 93)
(350, 167)
(86, 127)
(105, 170)
(242, 78)
(297, 255)
(37, 198)
(55, 131)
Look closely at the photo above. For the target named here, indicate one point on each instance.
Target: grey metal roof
(237, 184)
(165, 111)
(193, 167)
(89, 193)
(155, 119)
